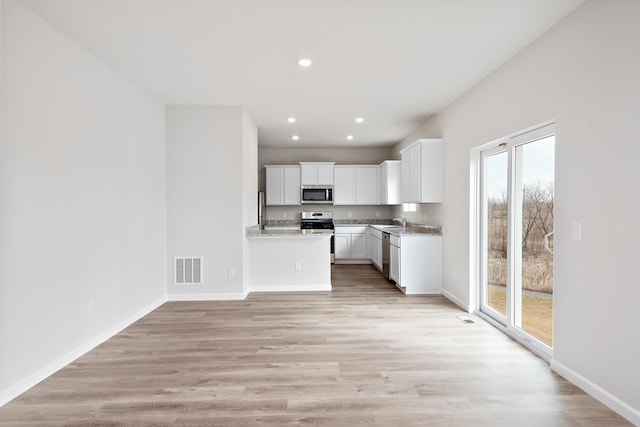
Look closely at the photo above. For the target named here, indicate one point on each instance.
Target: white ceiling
(394, 62)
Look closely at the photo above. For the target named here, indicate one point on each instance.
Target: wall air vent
(188, 271)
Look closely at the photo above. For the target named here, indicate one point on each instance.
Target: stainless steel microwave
(316, 194)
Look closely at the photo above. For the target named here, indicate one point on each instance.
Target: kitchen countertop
(410, 230)
(256, 233)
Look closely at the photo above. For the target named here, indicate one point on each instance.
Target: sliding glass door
(516, 235)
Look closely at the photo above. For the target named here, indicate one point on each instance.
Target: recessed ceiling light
(291, 119)
(359, 119)
(304, 62)
(349, 137)
(295, 137)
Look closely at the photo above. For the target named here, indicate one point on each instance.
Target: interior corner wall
(584, 74)
(206, 198)
(249, 187)
(82, 201)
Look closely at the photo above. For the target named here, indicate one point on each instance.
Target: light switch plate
(576, 231)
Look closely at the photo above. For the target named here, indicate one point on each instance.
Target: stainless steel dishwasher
(386, 254)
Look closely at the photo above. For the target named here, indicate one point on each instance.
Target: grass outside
(537, 311)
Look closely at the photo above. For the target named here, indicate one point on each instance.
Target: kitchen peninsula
(289, 260)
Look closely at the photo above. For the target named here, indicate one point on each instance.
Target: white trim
(614, 403)
(457, 301)
(42, 374)
(362, 261)
(319, 287)
(527, 343)
(208, 297)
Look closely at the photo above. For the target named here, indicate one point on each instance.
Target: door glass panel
(495, 226)
(533, 263)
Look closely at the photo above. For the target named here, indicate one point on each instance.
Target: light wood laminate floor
(364, 354)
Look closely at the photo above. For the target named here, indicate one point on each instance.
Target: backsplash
(339, 212)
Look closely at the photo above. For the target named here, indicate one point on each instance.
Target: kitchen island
(289, 260)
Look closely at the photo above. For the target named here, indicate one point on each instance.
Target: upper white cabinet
(283, 185)
(355, 185)
(316, 173)
(390, 182)
(422, 172)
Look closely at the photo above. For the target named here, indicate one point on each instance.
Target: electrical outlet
(453, 275)
(377, 214)
(349, 214)
(91, 307)
(284, 215)
(298, 266)
(231, 272)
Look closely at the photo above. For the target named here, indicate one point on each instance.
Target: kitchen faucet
(402, 220)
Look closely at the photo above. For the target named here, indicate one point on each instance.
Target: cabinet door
(394, 264)
(431, 171)
(382, 184)
(344, 186)
(406, 177)
(366, 185)
(308, 174)
(274, 186)
(414, 175)
(342, 245)
(325, 174)
(359, 246)
(411, 175)
(392, 182)
(376, 251)
(291, 186)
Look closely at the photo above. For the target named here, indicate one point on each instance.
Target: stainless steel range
(319, 222)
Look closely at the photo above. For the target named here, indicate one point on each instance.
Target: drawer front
(394, 240)
(351, 230)
(375, 233)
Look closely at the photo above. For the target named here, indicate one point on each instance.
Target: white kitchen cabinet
(416, 263)
(342, 245)
(422, 171)
(351, 243)
(282, 185)
(355, 185)
(394, 264)
(374, 247)
(344, 185)
(390, 182)
(316, 173)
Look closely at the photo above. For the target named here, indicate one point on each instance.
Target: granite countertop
(412, 229)
(256, 233)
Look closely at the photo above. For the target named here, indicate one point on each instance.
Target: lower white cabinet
(374, 247)
(416, 263)
(351, 243)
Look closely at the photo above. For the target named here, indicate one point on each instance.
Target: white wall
(82, 201)
(211, 199)
(583, 73)
(250, 188)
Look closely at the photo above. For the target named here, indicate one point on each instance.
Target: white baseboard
(615, 404)
(457, 301)
(35, 378)
(207, 297)
(320, 287)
